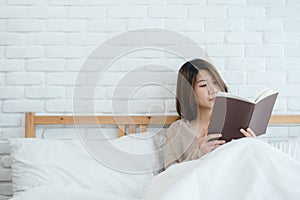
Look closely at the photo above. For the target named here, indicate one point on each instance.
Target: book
(231, 113)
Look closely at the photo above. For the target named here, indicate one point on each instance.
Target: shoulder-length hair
(186, 102)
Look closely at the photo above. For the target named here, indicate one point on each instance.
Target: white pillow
(38, 162)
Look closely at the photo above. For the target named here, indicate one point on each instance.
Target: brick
(7, 12)
(6, 189)
(171, 106)
(234, 77)
(267, 77)
(223, 25)
(10, 65)
(65, 52)
(292, 1)
(244, 38)
(59, 106)
(25, 52)
(67, 2)
(293, 77)
(265, 2)
(13, 106)
(263, 24)
(294, 104)
(246, 11)
(286, 89)
(61, 78)
(45, 39)
(207, 12)
(74, 64)
(8, 120)
(245, 64)
(150, 107)
(2, 25)
(86, 38)
(281, 38)
(126, 12)
(167, 11)
(292, 24)
(147, 2)
(21, 2)
(25, 78)
(187, 2)
(292, 50)
(224, 2)
(106, 25)
(205, 37)
(46, 12)
(283, 11)
(25, 25)
(133, 78)
(285, 64)
(264, 51)
(45, 65)
(66, 25)
(8, 133)
(185, 25)
(6, 161)
(86, 12)
(145, 23)
(9, 92)
(2, 79)
(40, 92)
(225, 50)
(1, 52)
(107, 2)
(5, 175)
(12, 39)
(294, 131)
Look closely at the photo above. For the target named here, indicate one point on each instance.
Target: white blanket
(242, 169)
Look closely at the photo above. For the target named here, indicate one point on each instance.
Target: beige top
(181, 143)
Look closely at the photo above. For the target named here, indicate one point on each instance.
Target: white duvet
(242, 169)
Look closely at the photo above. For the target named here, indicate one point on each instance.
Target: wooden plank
(121, 130)
(29, 125)
(131, 129)
(285, 119)
(143, 128)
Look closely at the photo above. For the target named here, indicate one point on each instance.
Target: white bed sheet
(242, 169)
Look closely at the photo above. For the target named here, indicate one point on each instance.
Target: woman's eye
(203, 85)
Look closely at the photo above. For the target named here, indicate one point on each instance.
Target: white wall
(43, 44)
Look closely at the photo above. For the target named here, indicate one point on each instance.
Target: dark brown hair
(186, 102)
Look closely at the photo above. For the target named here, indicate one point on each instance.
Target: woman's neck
(202, 120)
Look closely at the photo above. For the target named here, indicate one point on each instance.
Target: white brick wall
(44, 43)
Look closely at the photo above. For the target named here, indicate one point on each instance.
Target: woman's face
(205, 89)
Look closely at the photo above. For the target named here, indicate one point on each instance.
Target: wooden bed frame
(123, 122)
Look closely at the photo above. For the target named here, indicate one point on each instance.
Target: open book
(231, 113)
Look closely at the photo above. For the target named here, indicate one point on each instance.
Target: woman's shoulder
(178, 125)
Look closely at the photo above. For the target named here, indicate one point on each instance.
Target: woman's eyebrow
(202, 80)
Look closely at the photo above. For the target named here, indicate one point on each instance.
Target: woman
(197, 85)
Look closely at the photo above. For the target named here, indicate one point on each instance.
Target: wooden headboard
(122, 122)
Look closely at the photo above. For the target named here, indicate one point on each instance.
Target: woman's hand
(207, 143)
(248, 132)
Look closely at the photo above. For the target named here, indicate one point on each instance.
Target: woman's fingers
(213, 136)
(248, 133)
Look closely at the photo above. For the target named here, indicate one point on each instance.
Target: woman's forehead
(204, 75)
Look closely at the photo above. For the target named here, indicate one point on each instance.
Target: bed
(52, 169)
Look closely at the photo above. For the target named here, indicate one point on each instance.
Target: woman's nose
(212, 88)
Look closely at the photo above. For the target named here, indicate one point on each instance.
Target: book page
(233, 96)
(263, 94)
